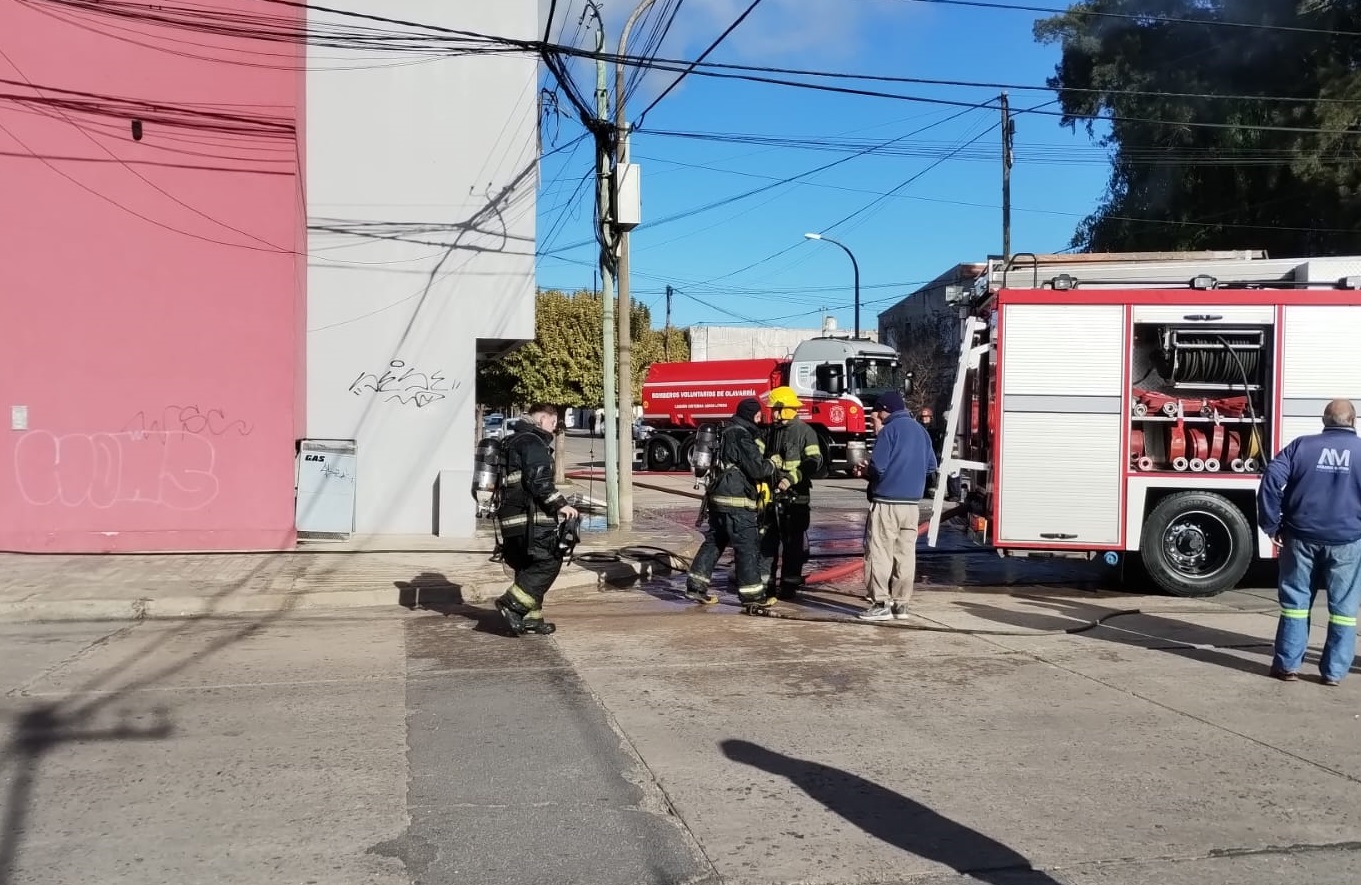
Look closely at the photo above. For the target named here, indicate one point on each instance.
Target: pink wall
(152, 292)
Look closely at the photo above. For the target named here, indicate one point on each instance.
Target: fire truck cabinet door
(1061, 472)
(1318, 343)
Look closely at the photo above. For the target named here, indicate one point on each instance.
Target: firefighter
(734, 501)
(529, 515)
(793, 450)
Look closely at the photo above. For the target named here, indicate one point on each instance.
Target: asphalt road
(998, 737)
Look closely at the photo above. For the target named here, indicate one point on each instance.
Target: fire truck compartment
(1062, 369)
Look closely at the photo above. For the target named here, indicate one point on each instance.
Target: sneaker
(1331, 683)
(900, 613)
(878, 612)
(1284, 675)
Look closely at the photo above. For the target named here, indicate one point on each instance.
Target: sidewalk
(361, 572)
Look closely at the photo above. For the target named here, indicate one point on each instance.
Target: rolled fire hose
(1176, 447)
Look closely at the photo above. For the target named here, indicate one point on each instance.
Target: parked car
(498, 426)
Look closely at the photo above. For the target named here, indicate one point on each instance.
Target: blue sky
(950, 214)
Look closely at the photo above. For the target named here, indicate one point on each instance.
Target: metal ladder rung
(969, 355)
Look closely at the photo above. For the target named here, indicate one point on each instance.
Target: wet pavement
(836, 545)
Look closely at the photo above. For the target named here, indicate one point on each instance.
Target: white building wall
(421, 184)
(709, 343)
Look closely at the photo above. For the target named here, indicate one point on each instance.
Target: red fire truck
(1126, 409)
(837, 378)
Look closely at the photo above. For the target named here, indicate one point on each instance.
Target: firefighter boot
(759, 600)
(514, 610)
(534, 623)
(698, 592)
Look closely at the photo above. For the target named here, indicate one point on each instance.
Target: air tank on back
(487, 475)
(705, 450)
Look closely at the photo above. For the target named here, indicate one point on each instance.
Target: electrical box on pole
(628, 196)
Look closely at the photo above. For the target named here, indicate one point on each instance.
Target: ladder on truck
(969, 355)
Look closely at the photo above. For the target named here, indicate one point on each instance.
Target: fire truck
(1126, 410)
(838, 378)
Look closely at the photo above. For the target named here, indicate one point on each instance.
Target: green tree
(1279, 175)
(562, 364)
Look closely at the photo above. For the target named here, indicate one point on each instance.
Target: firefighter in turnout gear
(531, 507)
(735, 499)
(793, 449)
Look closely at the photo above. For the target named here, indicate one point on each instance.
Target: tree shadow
(895, 819)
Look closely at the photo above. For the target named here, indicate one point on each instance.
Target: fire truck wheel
(1196, 544)
(659, 454)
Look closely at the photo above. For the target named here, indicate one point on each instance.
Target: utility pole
(1008, 131)
(605, 212)
(666, 340)
(621, 156)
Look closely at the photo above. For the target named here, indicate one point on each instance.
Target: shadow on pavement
(434, 592)
(895, 819)
(429, 590)
(1209, 645)
(95, 712)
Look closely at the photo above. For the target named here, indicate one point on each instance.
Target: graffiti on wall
(404, 385)
(190, 419)
(169, 462)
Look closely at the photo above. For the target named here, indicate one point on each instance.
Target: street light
(854, 264)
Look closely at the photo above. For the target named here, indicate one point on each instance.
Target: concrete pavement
(363, 572)
(652, 741)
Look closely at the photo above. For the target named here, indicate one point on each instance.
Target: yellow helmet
(784, 402)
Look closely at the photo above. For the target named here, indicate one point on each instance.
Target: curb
(575, 582)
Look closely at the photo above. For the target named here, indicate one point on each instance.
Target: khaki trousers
(891, 552)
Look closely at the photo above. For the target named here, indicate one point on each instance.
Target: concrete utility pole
(1008, 130)
(621, 156)
(604, 205)
(666, 341)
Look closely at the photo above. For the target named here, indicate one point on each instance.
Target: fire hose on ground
(672, 560)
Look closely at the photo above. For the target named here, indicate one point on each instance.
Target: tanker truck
(838, 378)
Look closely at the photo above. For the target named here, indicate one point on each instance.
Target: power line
(694, 68)
(667, 64)
(688, 213)
(703, 55)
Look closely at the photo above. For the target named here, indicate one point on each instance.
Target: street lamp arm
(855, 266)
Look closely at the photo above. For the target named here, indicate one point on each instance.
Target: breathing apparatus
(569, 536)
(704, 452)
(487, 476)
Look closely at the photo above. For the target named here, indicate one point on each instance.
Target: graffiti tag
(404, 385)
(164, 468)
(189, 419)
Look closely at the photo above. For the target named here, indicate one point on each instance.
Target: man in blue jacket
(902, 461)
(1309, 502)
